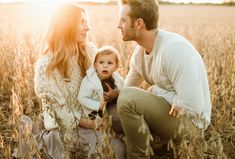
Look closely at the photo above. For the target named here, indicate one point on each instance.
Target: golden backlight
(195, 1)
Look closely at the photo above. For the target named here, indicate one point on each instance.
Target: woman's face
(82, 29)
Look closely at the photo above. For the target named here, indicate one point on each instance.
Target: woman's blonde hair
(62, 40)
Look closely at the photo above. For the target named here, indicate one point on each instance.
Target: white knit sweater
(176, 72)
(58, 94)
(91, 90)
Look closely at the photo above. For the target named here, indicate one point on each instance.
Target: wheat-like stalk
(212, 34)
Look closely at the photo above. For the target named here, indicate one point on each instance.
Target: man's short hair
(145, 9)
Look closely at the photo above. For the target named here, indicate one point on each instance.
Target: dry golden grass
(209, 28)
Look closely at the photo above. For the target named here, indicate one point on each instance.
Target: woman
(58, 75)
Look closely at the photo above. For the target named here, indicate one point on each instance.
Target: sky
(177, 1)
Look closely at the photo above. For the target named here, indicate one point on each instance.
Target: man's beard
(131, 35)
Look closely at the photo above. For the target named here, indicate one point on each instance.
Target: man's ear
(140, 23)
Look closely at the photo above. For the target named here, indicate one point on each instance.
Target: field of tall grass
(209, 28)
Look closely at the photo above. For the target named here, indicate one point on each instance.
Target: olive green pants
(139, 109)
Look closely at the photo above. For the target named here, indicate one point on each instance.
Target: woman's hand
(111, 94)
(87, 123)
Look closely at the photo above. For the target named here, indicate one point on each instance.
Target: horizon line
(103, 1)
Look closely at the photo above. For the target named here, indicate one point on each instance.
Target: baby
(102, 82)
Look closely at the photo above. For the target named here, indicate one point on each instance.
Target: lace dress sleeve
(45, 87)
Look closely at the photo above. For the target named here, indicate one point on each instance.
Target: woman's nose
(86, 27)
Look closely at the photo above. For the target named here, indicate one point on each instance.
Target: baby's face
(105, 65)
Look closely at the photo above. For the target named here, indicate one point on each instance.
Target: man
(173, 68)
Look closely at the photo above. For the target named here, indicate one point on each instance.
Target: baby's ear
(117, 66)
(94, 64)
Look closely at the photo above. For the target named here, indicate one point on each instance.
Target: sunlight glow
(47, 7)
(105, 1)
(52, 1)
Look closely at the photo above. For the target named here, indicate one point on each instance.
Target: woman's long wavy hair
(62, 40)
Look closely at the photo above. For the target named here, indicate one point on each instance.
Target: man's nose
(119, 25)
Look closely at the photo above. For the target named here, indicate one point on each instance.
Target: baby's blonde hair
(108, 50)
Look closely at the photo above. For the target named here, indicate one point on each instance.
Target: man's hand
(111, 94)
(174, 111)
(150, 89)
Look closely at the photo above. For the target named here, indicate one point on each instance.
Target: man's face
(125, 24)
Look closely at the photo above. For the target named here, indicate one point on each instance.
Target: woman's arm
(45, 86)
(47, 90)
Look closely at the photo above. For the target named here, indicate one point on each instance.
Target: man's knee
(125, 99)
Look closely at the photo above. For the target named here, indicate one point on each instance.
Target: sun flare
(46, 7)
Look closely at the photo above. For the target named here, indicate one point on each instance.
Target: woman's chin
(82, 43)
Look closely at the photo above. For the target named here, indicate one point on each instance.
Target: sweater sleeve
(85, 95)
(182, 66)
(168, 95)
(45, 87)
(133, 77)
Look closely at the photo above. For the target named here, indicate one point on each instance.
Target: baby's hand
(111, 94)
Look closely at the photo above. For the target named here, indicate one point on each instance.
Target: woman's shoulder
(44, 60)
